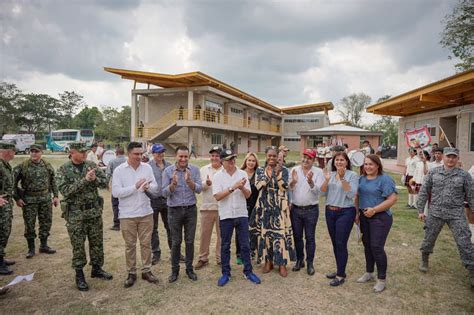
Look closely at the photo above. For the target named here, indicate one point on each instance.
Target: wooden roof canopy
(194, 79)
(456, 90)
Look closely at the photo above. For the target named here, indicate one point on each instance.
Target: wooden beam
(434, 99)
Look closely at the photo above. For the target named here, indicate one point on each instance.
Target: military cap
(7, 145)
(36, 147)
(451, 151)
(79, 146)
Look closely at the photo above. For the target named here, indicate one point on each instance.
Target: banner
(419, 137)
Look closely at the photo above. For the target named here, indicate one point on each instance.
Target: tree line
(40, 113)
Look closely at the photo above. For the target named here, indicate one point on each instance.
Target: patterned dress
(270, 221)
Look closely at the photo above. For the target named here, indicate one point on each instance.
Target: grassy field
(445, 289)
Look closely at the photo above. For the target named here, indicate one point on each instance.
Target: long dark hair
(374, 158)
(344, 155)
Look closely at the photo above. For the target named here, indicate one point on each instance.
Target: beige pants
(208, 219)
(141, 228)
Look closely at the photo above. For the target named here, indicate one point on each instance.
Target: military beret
(79, 146)
(7, 145)
(451, 151)
(36, 147)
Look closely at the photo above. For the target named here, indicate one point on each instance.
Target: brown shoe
(283, 271)
(148, 276)
(267, 267)
(130, 280)
(200, 264)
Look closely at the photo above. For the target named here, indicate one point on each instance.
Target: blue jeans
(242, 227)
(339, 225)
(304, 220)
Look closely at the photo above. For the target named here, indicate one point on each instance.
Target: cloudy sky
(284, 52)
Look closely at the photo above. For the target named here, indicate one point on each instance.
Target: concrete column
(259, 120)
(236, 142)
(145, 119)
(303, 141)
(259, 141)
(190, 137)
(133, 121)
(246, 117)
(190, 105)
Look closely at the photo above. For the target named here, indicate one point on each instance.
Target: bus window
(87, 133)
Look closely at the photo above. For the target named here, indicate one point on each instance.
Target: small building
(340, 134)
(446, 105)
(196, 109)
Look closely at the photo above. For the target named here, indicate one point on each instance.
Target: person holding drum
(340, 187)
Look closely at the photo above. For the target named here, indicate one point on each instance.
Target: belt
(183, 207)
(332, 208)
(305, 207)
(37, 192)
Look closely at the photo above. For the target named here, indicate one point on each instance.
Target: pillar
(190, 137)
(190, 105)
(246, 118)
(133, 117)
(145, 119)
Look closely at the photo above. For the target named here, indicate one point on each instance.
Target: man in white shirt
(305, 183)
(410, 167)
(92, 155)
(130, 182)
(100, 150)
(438, 158)
(231, 188)
(209, 210)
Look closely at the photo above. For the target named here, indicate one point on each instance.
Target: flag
(419, 137)
(442, 136)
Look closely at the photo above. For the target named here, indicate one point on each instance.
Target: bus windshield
(64, 135)
(87, 133)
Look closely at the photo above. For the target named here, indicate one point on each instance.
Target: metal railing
(149, 130)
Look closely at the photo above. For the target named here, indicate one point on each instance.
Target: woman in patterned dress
(271, 219)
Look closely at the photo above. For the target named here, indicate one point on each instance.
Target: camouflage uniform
(82, 209)
(449, 189)
(37, 184)
(6, 211)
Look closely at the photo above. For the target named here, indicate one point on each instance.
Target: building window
(216, 139)
(265, 119)
(432, 131)
(302, 120)
(292, 139)
(236, 110)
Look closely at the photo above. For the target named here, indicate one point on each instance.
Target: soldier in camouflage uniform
(7, 152)
(38, 182)
(78, 181)
(449, 187)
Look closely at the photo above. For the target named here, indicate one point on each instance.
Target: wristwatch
(231, 190)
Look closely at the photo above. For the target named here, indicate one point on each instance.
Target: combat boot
(4, 270)
(98, 272)
(31, 248)
(81, 281)
(424, 262)
(471, 277)
(44, 248)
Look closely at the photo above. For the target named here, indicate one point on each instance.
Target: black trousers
(180, 218)
(115, 208)
(159, 208)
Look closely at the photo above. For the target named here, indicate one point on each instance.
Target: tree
(352, 107)
(87, 118)
(37, 113)
(70, 102)
(115, 125)
(9, 97)
(389, 126)
(458, 34)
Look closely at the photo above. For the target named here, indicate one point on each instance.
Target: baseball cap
(36, 147)
(451, 151)
(158, 148)
(227, 155)
(215, 149)
(309, 153)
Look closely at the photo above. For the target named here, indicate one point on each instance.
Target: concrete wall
(458, 130)
(304, 123)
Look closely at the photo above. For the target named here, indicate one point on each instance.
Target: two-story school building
(445, 105)
(197, 110)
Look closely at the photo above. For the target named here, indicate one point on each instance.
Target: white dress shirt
(419, 173)
(434, 164)
(410, 163)
(208, 200)
(302, 194)
(234, 205)
(133, 202)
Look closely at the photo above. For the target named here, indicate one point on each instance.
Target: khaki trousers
(208, 219)
(141, 228)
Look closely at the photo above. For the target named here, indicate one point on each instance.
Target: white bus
(58, 140)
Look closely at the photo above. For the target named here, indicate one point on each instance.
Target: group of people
(274, 210)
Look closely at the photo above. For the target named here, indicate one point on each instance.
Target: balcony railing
(149, 130)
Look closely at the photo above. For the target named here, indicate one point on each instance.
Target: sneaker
(239, 261)
(368, 276)
(223, 280)
(252, 278)
(380, 286)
